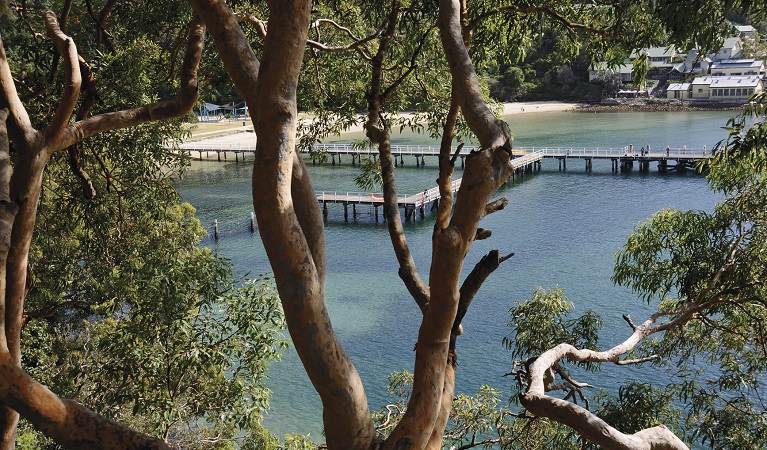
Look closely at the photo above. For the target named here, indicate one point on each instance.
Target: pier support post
(354, 211)
(346, 212)
(252, 222)
(401, 160)
(462, 162)
(325, 210)
(219, 156)
(215, 229)
(376, 208)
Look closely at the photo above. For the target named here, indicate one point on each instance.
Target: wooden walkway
(623, 158)
(526, 160)
(414, 202)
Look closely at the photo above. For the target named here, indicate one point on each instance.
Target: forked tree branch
(168, 109)
(346, 416)
(586, 423)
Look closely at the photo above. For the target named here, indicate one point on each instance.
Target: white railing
(420, 199)
(355, 197)
(586, 152)
(429, 150)
(218, 147)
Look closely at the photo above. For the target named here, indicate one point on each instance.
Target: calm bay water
(564, 228)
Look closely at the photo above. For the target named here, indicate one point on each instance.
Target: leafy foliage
(543, 322)
(125, 312)
(714, 264)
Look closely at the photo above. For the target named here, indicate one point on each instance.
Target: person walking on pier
(668, 150)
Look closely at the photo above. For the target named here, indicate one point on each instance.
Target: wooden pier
(623, 158)
(414, 202)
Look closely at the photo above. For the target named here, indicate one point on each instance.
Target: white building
(746, 31)
(731, 49)
(738, 67)
(735, 88)
(678, 90)
(600, 71)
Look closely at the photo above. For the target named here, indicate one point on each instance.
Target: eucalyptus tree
(117, 305)
(290, 221)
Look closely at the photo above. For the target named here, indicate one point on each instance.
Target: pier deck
(413, 202)
(526, 160)
(244, 143)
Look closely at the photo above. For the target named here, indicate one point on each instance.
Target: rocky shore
(651, 104)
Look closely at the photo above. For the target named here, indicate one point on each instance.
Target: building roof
(621, 69)
(732, 81)
(678, 87)
(656, 52)
(745, 28)
(731, 42)
(738, 64)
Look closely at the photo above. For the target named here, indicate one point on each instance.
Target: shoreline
(213, 129)
(656, 105)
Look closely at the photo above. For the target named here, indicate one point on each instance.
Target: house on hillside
(661, 61)
(731, 49)
(746, 31)
(738, 67)
(600, 71)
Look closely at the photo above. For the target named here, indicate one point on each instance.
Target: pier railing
(248, 146)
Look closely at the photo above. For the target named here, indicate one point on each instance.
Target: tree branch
(486, 266)
(233, 47)
(539, 10)
(67, 49)
(74, 152)
(168, 109)
(21, 124)
(496, 205)
(381, 137)
(491, 132)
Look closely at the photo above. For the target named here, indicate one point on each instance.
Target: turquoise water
(564, 228)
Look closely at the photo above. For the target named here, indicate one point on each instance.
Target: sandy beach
(539, 107)
(206, 130)
(511, 109)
